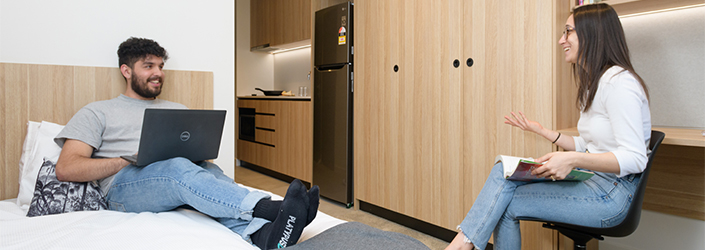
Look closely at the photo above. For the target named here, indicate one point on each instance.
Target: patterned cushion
(52, 196)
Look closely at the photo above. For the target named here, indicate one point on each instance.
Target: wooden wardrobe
(433, 82)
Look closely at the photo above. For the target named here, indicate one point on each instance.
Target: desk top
(674, 136)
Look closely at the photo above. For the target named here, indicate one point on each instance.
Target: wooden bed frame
(54, 93)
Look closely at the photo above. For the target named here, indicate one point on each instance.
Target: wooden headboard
(54, 93)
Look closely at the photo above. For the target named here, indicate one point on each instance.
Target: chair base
(580, 239)
(579, 247)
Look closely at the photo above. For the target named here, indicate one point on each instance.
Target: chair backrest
(631, 222)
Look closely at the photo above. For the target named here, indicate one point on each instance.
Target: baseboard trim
(413, 223)
(271, 173)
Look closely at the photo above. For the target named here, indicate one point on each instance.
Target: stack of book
(581, 2)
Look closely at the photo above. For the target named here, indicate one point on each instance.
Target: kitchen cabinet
(434, 80)
(274, 23)
(283, 136)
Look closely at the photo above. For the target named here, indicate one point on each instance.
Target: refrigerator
(333, 103)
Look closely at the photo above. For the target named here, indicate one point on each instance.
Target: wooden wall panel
(16, 110)
(116, 83)
(51, 93)
(177, 85)
(3, 154)
(677, 182)
(85, 90)
(202, 82)
(565, 89)
(32, 92)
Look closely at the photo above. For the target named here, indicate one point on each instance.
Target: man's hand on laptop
(132, 159)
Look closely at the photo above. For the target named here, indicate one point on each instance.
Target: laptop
(190, 133)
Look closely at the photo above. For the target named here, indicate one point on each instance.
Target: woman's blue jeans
(169, 184)
(600, 201)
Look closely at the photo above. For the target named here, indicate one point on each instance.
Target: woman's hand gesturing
(523, 123)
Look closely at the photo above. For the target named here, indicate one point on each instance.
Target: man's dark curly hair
(134, 49)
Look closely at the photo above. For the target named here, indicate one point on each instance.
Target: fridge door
(332, 133)
(333, 35)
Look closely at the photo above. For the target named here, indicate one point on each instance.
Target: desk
(677, 182)
(682, 137)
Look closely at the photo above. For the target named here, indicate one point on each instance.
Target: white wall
(254, 69)
(668, 52)
(198, 35)
(291, 70)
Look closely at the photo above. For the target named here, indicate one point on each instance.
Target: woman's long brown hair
(601, 45)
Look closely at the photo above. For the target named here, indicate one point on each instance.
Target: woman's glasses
(567, 31)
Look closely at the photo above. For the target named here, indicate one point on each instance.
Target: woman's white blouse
(619, 121)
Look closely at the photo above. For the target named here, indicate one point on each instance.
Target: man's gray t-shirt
(112, 127)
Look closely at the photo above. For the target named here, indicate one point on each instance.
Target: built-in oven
(247, 124)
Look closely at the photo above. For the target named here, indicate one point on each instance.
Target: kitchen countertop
(262, 97)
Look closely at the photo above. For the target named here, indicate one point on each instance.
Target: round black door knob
(396, 68)
(456, 63)
(469, 62)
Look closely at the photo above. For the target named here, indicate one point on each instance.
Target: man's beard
(141, 87)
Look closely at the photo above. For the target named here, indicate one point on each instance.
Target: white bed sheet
(179, 229)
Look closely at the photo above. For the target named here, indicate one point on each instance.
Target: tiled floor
(254, 179)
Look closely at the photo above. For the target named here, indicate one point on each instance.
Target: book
(519, 169)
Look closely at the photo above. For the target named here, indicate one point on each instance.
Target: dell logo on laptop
(185, 136)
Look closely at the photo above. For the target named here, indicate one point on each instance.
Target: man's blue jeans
(169, 184)
(600, 201)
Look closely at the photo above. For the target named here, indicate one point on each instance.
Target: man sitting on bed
(99, 133)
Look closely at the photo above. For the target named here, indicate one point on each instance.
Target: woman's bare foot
(459, 243)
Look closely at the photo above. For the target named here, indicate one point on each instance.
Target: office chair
(581, 235)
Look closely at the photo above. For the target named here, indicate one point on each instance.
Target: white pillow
(44, 147)
(28, 146)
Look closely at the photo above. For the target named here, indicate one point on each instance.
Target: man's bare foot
(459, 243)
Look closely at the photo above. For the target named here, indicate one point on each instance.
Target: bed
(105, 229)
(37, 100)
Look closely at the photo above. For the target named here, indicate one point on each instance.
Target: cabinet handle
(469, 62)
(396, 68)
(456, 63)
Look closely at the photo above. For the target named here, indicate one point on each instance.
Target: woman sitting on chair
(614, 126)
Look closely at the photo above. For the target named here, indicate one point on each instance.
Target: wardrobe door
(378, 70)
(431, 132)
(512, 46)
(408, 148)
(442, 113)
